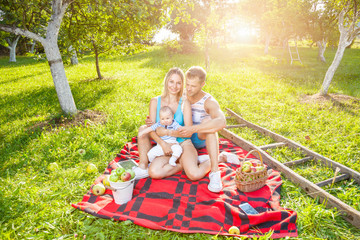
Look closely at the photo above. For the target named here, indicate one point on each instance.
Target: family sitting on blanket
(200, 118)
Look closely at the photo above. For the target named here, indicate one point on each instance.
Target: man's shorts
(198, 143)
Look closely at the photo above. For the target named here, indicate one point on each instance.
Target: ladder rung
(300, 161)
(236, 126)
(330, 180)
(272, 145)
(228, 117)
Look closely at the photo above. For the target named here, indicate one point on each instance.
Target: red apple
(125, 176)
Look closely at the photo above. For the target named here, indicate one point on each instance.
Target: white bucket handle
(130, 182)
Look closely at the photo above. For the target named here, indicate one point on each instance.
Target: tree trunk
(267, 43)
(97, 61)
(97, 66)
(32, 49)
(347, 35)
(12, 48)
(61, 83)
(322, 47)
(74, 60)
(207, 56)
(334, 65)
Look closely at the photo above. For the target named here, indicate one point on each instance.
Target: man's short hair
(196, 71)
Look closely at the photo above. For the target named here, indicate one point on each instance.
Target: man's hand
(166, 147)
(186, 131)
(148, 121)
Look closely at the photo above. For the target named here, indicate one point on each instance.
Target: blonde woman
(171, 97)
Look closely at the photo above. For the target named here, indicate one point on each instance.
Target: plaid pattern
(178, 204)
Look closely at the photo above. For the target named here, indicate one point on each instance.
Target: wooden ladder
(293, 50)
(313, 189)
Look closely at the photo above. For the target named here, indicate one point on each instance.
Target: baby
(167, 121)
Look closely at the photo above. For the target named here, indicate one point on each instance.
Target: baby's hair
(166, 109)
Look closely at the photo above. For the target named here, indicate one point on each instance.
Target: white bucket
(122, 191)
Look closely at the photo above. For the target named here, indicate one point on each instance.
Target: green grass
(35, 203)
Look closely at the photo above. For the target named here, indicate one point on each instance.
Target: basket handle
(254, 150)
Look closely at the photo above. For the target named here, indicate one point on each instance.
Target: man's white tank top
(198, 110)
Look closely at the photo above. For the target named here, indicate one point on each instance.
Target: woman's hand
(166, 147)
(148, 121)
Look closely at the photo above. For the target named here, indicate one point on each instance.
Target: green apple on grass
(53, 166)
(91, 168)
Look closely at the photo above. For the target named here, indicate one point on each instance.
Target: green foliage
(99, 27)
(35, 202)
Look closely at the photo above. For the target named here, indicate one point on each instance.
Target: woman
(171, 97)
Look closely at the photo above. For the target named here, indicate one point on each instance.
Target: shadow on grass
(157, 58)
(22, 107)
(14, 80)
(20, 61)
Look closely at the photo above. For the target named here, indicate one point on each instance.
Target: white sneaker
(215, 184)
(140, 173)
(230, 157)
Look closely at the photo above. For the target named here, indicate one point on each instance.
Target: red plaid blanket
(178, 204)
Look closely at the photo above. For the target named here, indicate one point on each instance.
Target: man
(208, 119)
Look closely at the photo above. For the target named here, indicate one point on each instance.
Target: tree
(10, 41)
(348, 22)
(23, 19)
(278, 20)
(102, 26)
(187, 24)
(321, 26)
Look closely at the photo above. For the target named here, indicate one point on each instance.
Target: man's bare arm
(215, 124)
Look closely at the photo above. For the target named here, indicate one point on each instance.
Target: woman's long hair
(172, 71)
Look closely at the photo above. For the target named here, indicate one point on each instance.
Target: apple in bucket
(125, 176)
(122, 185)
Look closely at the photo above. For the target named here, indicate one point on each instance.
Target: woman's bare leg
(160, 168)
(144, 146)
(189, 160)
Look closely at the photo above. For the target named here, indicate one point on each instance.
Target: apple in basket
(246, 167)
(259, 168)
(253, 169)
(98, 189)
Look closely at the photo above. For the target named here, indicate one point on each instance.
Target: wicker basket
(248, 182)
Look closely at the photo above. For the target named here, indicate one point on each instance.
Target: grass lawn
(35, 202)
